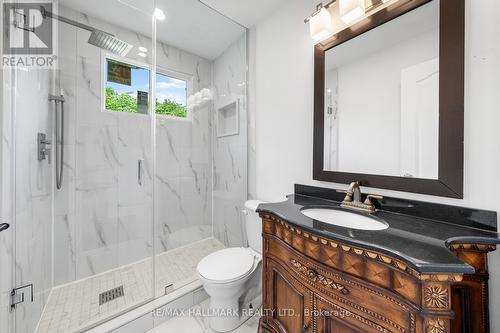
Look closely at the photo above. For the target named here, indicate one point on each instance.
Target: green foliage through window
(171, 108)
(127, 103)
(120, 102)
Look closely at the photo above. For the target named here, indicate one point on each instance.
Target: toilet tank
(253, 225)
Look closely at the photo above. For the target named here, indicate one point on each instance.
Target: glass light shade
(320, 25)
(351, 10)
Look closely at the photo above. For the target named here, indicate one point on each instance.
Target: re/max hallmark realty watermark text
(207, 312)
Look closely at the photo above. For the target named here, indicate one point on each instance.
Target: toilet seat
(227, 265)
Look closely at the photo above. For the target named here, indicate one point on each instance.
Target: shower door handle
(4, 226)
(140, 163)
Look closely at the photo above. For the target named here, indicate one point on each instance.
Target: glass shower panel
(230, 143)
(191, 41)
(85, 248)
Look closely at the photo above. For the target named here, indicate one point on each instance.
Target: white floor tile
(75, 306)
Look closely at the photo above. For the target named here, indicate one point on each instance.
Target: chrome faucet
(353, 199)
(355, 191)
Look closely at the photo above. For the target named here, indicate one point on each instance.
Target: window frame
(188, 78)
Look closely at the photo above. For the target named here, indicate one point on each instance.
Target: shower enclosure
(122, 164)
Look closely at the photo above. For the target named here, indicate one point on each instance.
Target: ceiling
(189, 24)
(246, 13)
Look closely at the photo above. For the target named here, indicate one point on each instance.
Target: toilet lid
(227, 264)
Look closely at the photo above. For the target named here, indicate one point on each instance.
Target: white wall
(284, 112)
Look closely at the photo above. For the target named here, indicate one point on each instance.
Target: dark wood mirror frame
(451, 102)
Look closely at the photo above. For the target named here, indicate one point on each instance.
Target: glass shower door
(33, 195)
(83, 151)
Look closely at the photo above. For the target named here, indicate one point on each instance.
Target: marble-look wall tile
(64, 248)
(135, 233)
(183, 181)
(230, 152)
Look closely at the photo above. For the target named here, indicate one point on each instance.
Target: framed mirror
(389, 100)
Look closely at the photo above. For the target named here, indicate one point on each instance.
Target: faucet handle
(348, 195)
(368, 200)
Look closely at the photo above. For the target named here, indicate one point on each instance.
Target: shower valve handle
(43, 151)
(47, 152)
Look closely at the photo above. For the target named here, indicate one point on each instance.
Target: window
(127, 90)
(171, 96)
(127, 87)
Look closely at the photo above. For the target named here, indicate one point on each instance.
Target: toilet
(227, 274)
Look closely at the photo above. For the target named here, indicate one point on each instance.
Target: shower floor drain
(110, 295)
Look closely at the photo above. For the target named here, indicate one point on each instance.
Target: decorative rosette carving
(436, 297)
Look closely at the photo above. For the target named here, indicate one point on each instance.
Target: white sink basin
(344, 219)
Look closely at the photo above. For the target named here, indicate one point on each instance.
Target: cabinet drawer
(379, 306)
(334, 317)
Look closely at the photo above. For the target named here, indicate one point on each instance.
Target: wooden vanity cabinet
(314, 284)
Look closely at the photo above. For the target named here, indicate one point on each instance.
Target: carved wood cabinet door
(289, 305)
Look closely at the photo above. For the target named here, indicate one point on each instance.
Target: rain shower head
(99, 38)
(109, 42)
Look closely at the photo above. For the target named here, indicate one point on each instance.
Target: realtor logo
(28, 34)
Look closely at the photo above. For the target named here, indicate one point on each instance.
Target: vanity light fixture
(143, 49)
(320, 22)
(350, 10)
(142, 54)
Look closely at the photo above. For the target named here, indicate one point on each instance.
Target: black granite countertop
(421, 242)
